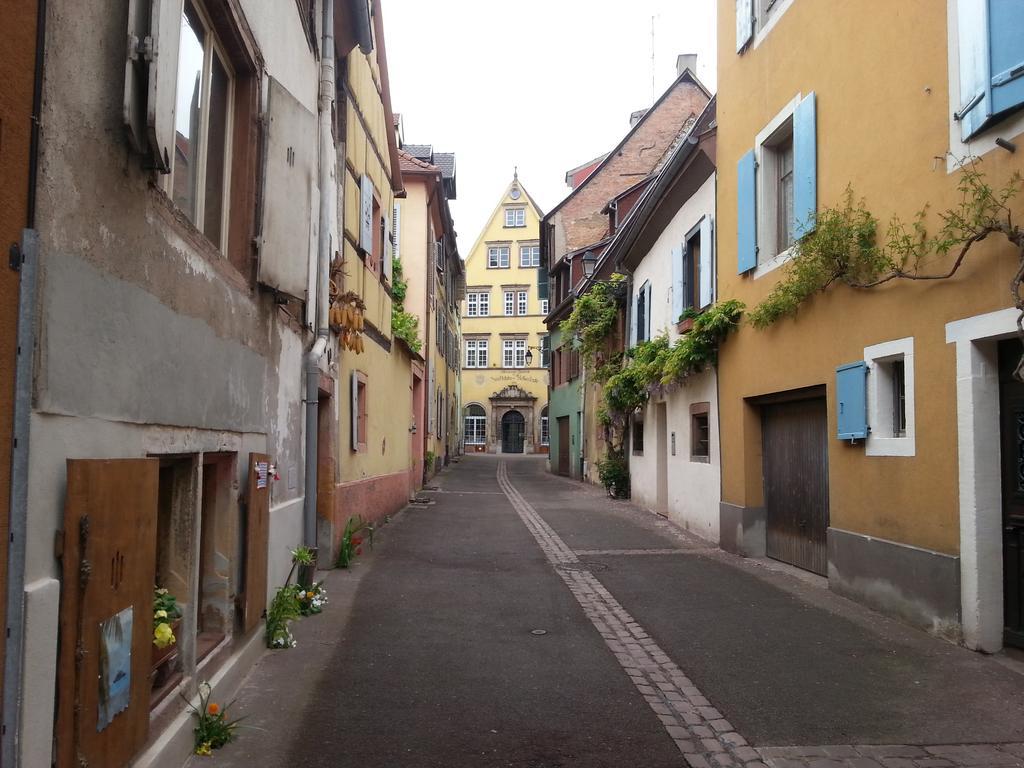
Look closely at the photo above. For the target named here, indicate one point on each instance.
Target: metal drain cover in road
(538, 631)
(582, 566)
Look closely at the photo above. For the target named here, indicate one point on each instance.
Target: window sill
(701, 459)
(766, 267)
(890, 446)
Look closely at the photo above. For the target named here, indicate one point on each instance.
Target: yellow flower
(162, 635)
(160, 615)
(204, 749)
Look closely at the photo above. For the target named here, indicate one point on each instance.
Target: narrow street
(521, 619)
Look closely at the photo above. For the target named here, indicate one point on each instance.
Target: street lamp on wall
(589, 263)
(529, 358)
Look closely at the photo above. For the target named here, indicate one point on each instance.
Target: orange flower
(213, 708)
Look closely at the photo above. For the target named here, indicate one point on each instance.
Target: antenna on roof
(515, 173)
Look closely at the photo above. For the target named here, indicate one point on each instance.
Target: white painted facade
(692, 489)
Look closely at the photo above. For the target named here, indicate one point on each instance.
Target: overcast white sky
(542, 84)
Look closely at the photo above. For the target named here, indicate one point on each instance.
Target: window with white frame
(497, 257)
(515, 217)
(777, 191)
(529, 256)
(891, 398)
(478, 304)
(545, 433)
(754, 19)
(513, 353)
(544, 306)
(476, 425)
(522, 302)
(200, 168)
(476, 353)
(510, 303)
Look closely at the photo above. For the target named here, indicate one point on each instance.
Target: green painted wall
(566, 400)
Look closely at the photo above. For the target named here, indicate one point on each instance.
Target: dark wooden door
(106, 608)
(795, 451)
(563, 445)
(257, 533)
(513, 426)
(1011, 428)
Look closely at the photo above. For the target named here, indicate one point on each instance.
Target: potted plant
(304, 558)
(166, 622)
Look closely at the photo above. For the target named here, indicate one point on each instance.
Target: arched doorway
(512, 428)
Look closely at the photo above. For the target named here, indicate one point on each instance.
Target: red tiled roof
(410, 163)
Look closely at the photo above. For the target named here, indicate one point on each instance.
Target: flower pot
(307, 573)
(162, 655)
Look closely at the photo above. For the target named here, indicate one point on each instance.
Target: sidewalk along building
(183, 315)
(578, 226)
(504, 376)
(425, 246)
(871, 435)
(665, 243)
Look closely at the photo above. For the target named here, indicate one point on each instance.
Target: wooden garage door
(795, 451)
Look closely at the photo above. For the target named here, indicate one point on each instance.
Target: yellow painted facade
(512, 326)
(884, 129)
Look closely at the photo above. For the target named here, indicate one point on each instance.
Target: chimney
(686, 61)
(635, 117)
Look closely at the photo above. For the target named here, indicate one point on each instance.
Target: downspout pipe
(10, 748)
(319, 349)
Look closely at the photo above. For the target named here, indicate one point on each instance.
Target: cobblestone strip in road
(704, 737)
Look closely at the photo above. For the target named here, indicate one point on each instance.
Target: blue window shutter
(632, 319)
(366, 214)
(805, 166)
(746, 213)
(706, 268)
(354, 410)
(1006, 53)
(678, 282)
(744, 23)
(972, 50)
(647, 312)
(851, 401)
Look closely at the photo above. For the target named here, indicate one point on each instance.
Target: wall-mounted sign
(262, 473)
(115, 679)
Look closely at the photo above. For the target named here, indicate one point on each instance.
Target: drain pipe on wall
(319, 348)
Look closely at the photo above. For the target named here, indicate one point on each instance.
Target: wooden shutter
(746, 213)
(396, 229)
(354, 409)
(632, 319)
(136, 72)
(678, 282)
(165, 30)
(366, 214)
(744, 23)
(851, 401)
(647, 312)
(389, 247)
(542, 282)
(706, 267)
(290, 186)
(110, 518)
(1006, 53)
(257, 537)
(805, 166)
(973, 54)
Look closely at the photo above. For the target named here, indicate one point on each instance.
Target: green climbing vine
(404, 325)
(844, 246)
(593, 319)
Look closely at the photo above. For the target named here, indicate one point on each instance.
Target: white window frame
(545, 430)
(522, 302)
(475, 426)
(212, 47)
(532, 253)
(520, 348)
(879, 359)
(510, 303)
(766, 181)
(478, 304)
(479, 349)
(544, 307)
(985, 140)
(508, 353)
(498, 256)
(767, 15)
(517, 215)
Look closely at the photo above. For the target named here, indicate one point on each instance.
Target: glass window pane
(216, 153)
(187, 114)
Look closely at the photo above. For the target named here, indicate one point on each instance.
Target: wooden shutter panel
(632, 319)
(1006, 53)
(389, 247)
(136, 71)
(647, 312)
(973, 55)
(744, 23)
(851, 401)
(366, 214)
(396, 229)
(805, 166)
(542, 282)
(746, 213)
(678, 281)
(257, 537)
(706, 267)
(165, 31)
(354, 409)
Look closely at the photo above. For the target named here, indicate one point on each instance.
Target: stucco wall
(565, 401)
(892, 155)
